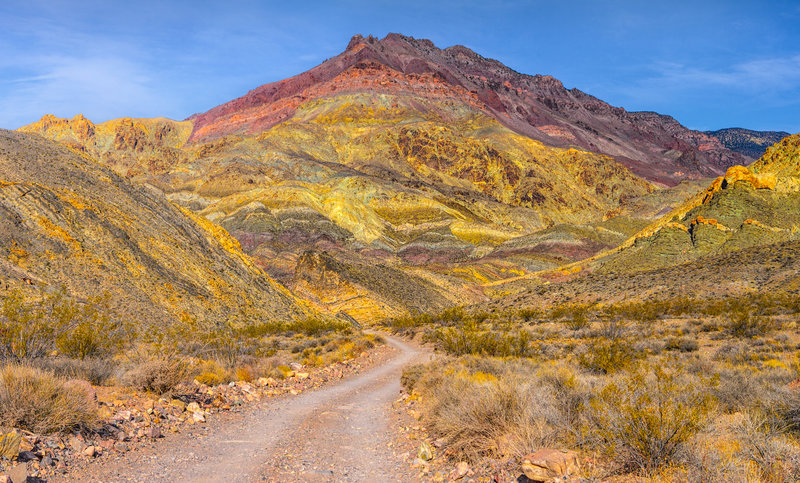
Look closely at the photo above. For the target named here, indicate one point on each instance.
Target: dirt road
(341, 432)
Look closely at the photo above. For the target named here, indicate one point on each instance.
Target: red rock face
(654, 146)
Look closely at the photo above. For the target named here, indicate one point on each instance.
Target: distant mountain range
(747, 142)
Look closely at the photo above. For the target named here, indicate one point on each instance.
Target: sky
(709, 64)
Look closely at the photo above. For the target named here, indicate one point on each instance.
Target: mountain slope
(749, 143)
(67, 220)
(654, 146)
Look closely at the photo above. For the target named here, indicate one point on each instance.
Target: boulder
(9, 445)
(548, 465)
(756, 180)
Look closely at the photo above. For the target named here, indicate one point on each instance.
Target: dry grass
(645, 384)
(37, 401)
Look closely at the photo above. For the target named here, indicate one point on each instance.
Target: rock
(462, 469)
(90, 451)
(75, 444)
(548, 465)
(18, 474)
(120, 446)
(425, 451)
(47, 462)
(178, 404)
(121, 436)
(193, 407)
(198, 418)
(9, 445)
(107, 443)
(153, 432)
(756, 180)
(5, 479)
(296, 366)
(26, 456)
(302, 375)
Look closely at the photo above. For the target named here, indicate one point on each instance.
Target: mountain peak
(538, 107)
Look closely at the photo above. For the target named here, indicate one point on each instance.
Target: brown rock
(548, 465)
(178, 404)
(90, 451)
(153, 432)
(18, 474)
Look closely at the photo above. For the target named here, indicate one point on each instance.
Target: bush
(37, 401)
(492, 408)
(466, 341)
(96, 371)
(645, 419)
(609, 356)
(682, 344)
(160, 376)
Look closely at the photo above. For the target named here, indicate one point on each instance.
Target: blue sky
(709, 64)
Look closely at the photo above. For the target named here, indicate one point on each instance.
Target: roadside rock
(548, 465)
(9, 445)
(425, 451)
(18, 474)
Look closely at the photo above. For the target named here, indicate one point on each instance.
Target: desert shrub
(643, 420)
(774, 456)
(96, 371)
(682, 344)
(94, 332)
(210, 373)
(733, 353)
(529, 313)
(485, 407)
(160, 376)
(609, 356)
(744, 324)
(411, 376)
(467, 340)
(33, 329)
(37, 401)
(451, 315)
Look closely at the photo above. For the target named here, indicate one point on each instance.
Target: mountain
(66, 220)
(740, 234)
(399, 177)
(749, 143)
(654, 146)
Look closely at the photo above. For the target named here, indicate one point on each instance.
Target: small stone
(75, 444)
(425, 451)
(90, 451)
(47, 461)
(25, 456)
(121, 436)
(107, 443)
(178, 404)
(462, 469)
(302, 375)
(121, 447)
(549, 464)
(193, 407)
(153, 432)
(198, 418)
(18, 474)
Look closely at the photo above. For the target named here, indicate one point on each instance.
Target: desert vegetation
(52, 346)
(677, 389)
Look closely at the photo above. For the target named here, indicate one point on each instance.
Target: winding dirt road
(340, 432)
